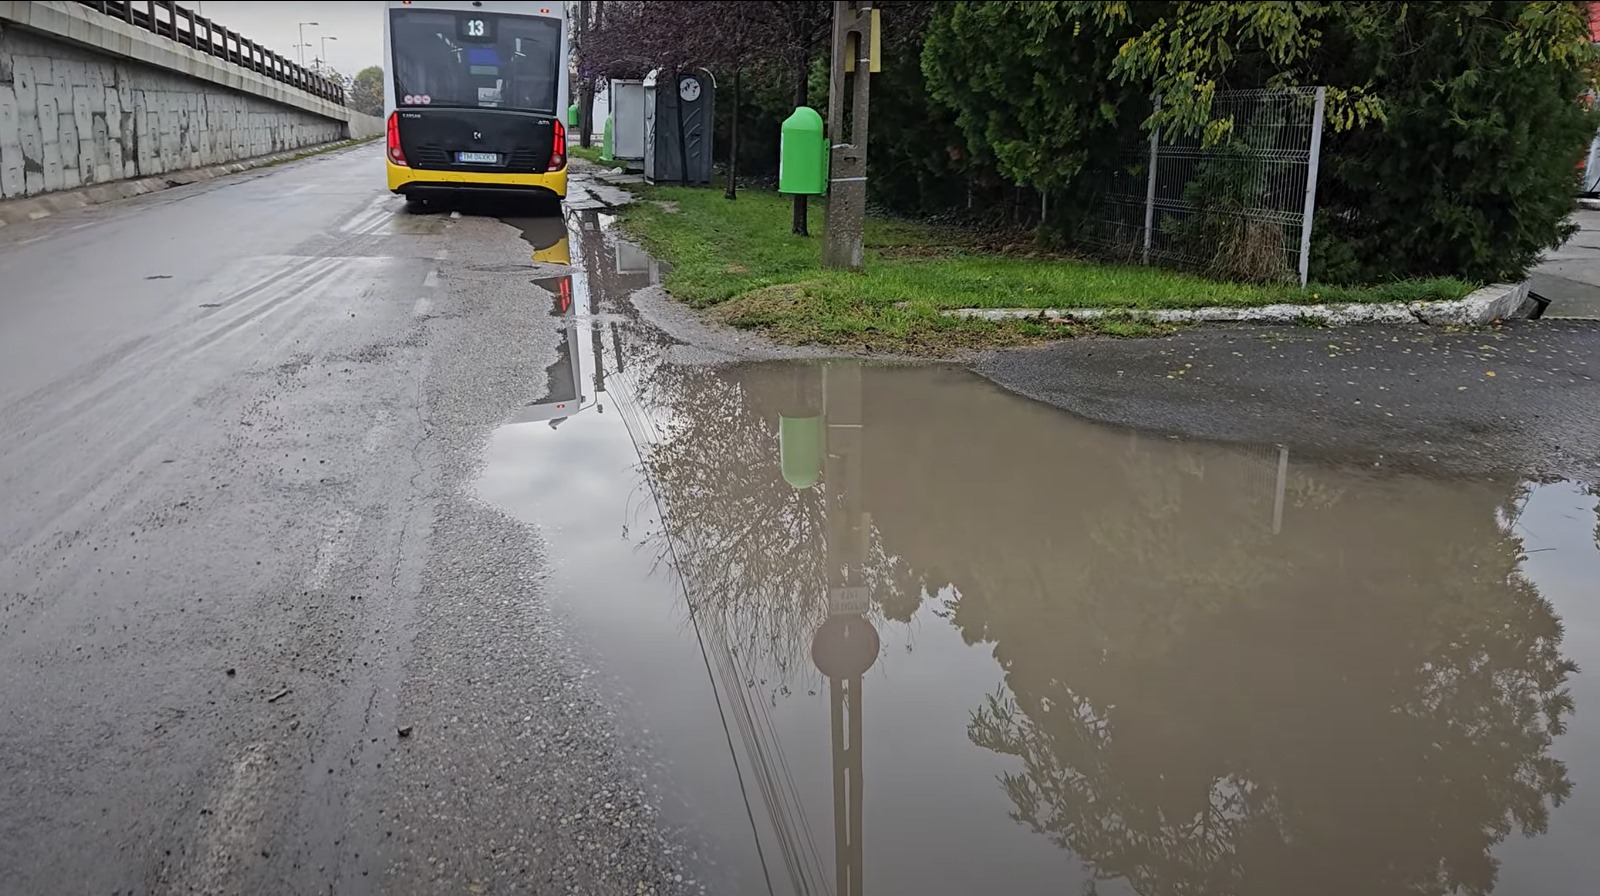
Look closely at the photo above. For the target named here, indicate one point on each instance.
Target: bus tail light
(558, 146)
(395, 154)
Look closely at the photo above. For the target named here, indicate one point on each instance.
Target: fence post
(1277, 494)
(1150, 186)
(1313, 162)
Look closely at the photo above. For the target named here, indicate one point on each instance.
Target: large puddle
(893, 630)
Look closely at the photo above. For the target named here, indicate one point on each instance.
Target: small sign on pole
(849, 600)
(874, 46)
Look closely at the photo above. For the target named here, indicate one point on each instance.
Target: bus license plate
(477, 158)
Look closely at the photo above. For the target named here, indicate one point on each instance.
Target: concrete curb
(19, 211)
(1500, 301)
(1588, 204)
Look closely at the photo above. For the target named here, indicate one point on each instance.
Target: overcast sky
(357, 25)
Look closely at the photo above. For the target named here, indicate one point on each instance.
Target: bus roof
(556, 9)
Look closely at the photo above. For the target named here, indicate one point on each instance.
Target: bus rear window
(510, 62)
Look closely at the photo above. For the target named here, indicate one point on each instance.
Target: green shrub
(1453, 128)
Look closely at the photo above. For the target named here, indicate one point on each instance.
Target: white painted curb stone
(1500, 301)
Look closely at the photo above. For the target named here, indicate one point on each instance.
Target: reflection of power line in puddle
(774, 777)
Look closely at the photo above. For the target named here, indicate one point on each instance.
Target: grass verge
(741, 259)
(587, 153)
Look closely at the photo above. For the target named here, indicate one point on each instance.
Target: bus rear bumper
(421, 184)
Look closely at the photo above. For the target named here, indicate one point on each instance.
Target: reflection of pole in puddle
(1283, 482)
(846, 644)
(598, 343)
(1258, 460)
(1274, 458)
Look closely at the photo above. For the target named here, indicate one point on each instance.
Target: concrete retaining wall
(87, 99)
(365, 127)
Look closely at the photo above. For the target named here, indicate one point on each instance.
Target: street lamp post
(302, 46)
(325, 38)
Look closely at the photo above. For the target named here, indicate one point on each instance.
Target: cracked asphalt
(237, 560)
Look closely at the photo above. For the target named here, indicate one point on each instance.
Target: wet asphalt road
(1522, 398)
(236, 559)
(259, 513)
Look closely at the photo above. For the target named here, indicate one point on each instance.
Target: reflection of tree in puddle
(1222, 674)
(778, 557)
(1367, 713)
(1594, 491)
(751, 547)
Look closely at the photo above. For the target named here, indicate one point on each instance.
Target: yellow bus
(473, 93)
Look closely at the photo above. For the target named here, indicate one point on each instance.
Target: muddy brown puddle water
(892, 630)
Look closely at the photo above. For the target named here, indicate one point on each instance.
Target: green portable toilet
(605, 142)
(803, 154)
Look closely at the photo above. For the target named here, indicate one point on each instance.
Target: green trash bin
(803, 154)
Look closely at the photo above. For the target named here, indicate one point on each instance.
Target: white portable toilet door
(627, 120)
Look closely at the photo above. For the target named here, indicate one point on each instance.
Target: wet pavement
(366, 552)
(891, 629)
(255, 634)
(1518, 399)
(1570, 275)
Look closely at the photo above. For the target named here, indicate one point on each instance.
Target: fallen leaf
(1488, 373)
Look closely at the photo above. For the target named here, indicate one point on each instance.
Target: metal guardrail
(167, 19)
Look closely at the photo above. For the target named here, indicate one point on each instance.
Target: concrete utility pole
(847, 168)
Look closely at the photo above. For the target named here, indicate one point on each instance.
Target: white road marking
(230, 833)
(374, 436)
(336, 535)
